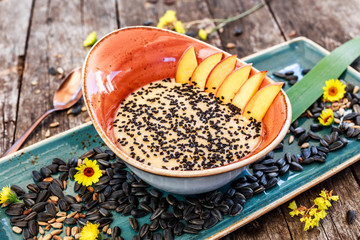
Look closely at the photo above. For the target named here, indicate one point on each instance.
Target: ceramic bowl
(129, 58)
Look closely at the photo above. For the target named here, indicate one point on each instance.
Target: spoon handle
(22, 139)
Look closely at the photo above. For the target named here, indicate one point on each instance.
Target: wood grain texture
(55, 40)
(259, 29)
(326, 22)
(14, 23)
(59, 27)
(334, 226)
(270, 226)
(186, 11)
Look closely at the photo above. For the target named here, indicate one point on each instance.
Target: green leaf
(304, 93)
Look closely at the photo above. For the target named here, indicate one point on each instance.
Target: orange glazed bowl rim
(166, 172)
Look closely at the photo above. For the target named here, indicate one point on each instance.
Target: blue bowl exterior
(187, 186)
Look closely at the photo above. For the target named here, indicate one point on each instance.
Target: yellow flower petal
(326, 117)
(335, 198)
(90, 40)
(334, 90)
(179, 27)
(4, 194)
(293, 205)
(90, 231)
(202, 34)
(82, 178)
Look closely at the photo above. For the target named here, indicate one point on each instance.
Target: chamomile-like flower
(334, 90)
(326, 117)
(7, 196)
(88, 173)
(90, 231)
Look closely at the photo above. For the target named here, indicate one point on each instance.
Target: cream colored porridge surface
(179, 127)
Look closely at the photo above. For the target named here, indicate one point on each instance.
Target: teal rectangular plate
(295, 55)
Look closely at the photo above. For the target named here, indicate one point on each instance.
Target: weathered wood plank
(14, 23)
(329, 23)
(260, 31)
(57, 33)
(186, 11)
(320, 24)
(334, 226)
(269, 226)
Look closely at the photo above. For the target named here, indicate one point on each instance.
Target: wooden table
(37, 34)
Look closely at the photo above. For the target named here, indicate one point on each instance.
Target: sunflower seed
(53, 168)
(212, 221)
(168, 234)
(44, 217)
(144, 230)
(134, 224)
(58, 161)
(63, 205)
(14, 211)
(104, 221)
(154, 225)
(56, 190)
(308, 160)
(316, 127)
(26, 234)
(18, 190)
(235, 210)
(178, 229)
(116, 232)
(21, 224)
(336, 145)
(38, 207)
(76, 207)
(166, 215)
(43, 185)
(156, 213)
(63, 168)
(45, 172)
(296, 167)
(94, 217)
(16, 229)
(109, 205)
(190, 216)
(138, 213)
(350, 216)
(155, 193)
(146, 207)
(50, 208)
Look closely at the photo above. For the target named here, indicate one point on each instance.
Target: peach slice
(186, 66)
(248, 89)
(232, 83)
(219, 73)
(202, 71)
(261, 101)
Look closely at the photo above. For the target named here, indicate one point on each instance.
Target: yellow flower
(168, 18)
(179, 27)
(334, 90)
(90, 231)
(293, 205)
(313, 212)
(334, 198)
(90, 40)
(322, 214)
(322, 203)
(7, 196)
(326, 117)
(202, 34)
(88, 173)
(307, 224)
